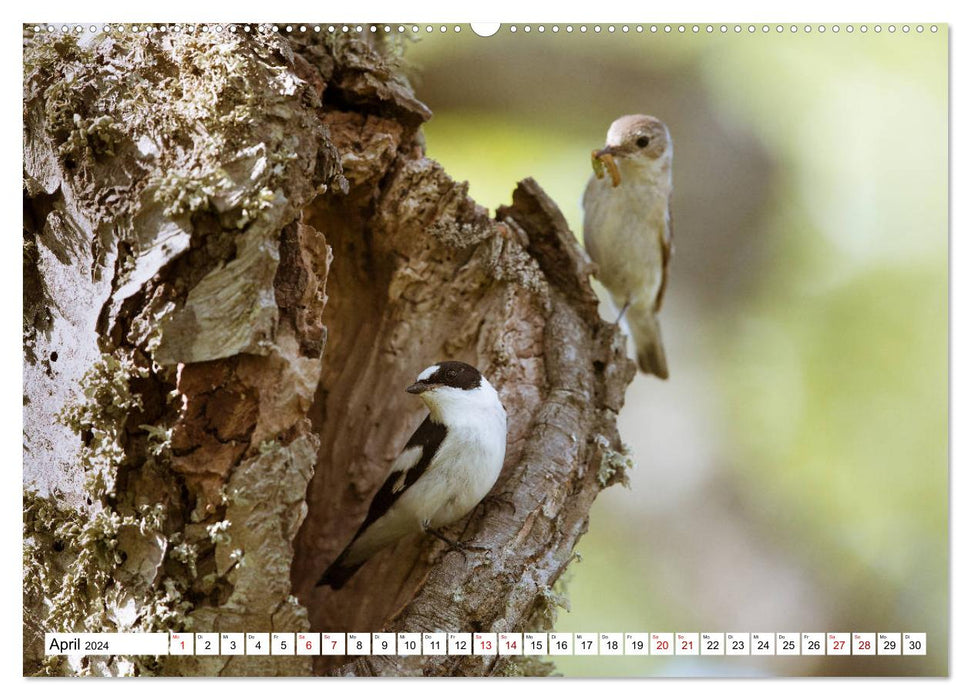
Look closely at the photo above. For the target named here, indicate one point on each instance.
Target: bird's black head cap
(454, 374)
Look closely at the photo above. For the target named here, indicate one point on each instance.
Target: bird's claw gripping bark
(454, 546)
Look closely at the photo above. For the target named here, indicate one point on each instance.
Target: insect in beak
(605, 157)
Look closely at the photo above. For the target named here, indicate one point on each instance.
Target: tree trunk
(236, 256)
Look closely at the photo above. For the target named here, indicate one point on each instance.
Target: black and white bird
(446, 468)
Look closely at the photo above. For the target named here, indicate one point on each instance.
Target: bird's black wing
(413, 461)
(427, 438)
(667, 250)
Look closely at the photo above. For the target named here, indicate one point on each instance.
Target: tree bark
(236, 256)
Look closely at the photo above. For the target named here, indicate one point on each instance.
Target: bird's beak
(604, 159)
(420, 387)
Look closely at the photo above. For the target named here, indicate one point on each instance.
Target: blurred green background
(792, 475)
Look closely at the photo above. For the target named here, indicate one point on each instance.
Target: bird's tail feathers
(646, 331)
(338, 574)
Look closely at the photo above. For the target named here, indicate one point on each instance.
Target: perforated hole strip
(484, 30)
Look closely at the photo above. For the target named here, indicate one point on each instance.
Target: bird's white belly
(622, 229)
(462, 473)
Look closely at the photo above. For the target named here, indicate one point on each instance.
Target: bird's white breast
(468, 461)
(623, 228)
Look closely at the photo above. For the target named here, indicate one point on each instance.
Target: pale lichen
(548, 601)
(90, 138)
(613, 465)
(459, 235)
(525, 666)
(99, 416)
(71, 567)
(269, 446)
(159, 439)
(508, 261)
(189, 193)
(219, 532)
(71, 558)
(188, 554)
(182, 193)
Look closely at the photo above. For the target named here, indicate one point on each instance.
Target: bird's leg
(622, 312)
(450, 542)
(453, 546)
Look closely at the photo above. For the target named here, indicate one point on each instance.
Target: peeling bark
(239, 256)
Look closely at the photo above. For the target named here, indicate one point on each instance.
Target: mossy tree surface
(236, 256)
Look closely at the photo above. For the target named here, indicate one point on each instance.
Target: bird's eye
(643, 141)
(450, 374)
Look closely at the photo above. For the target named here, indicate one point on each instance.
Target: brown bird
(627, 227)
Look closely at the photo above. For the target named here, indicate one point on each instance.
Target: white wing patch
(400, 483)
(427, 372)
(406, 460)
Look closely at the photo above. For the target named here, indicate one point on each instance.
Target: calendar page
(515, 349)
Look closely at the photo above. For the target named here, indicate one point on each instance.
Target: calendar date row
(491, 643)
